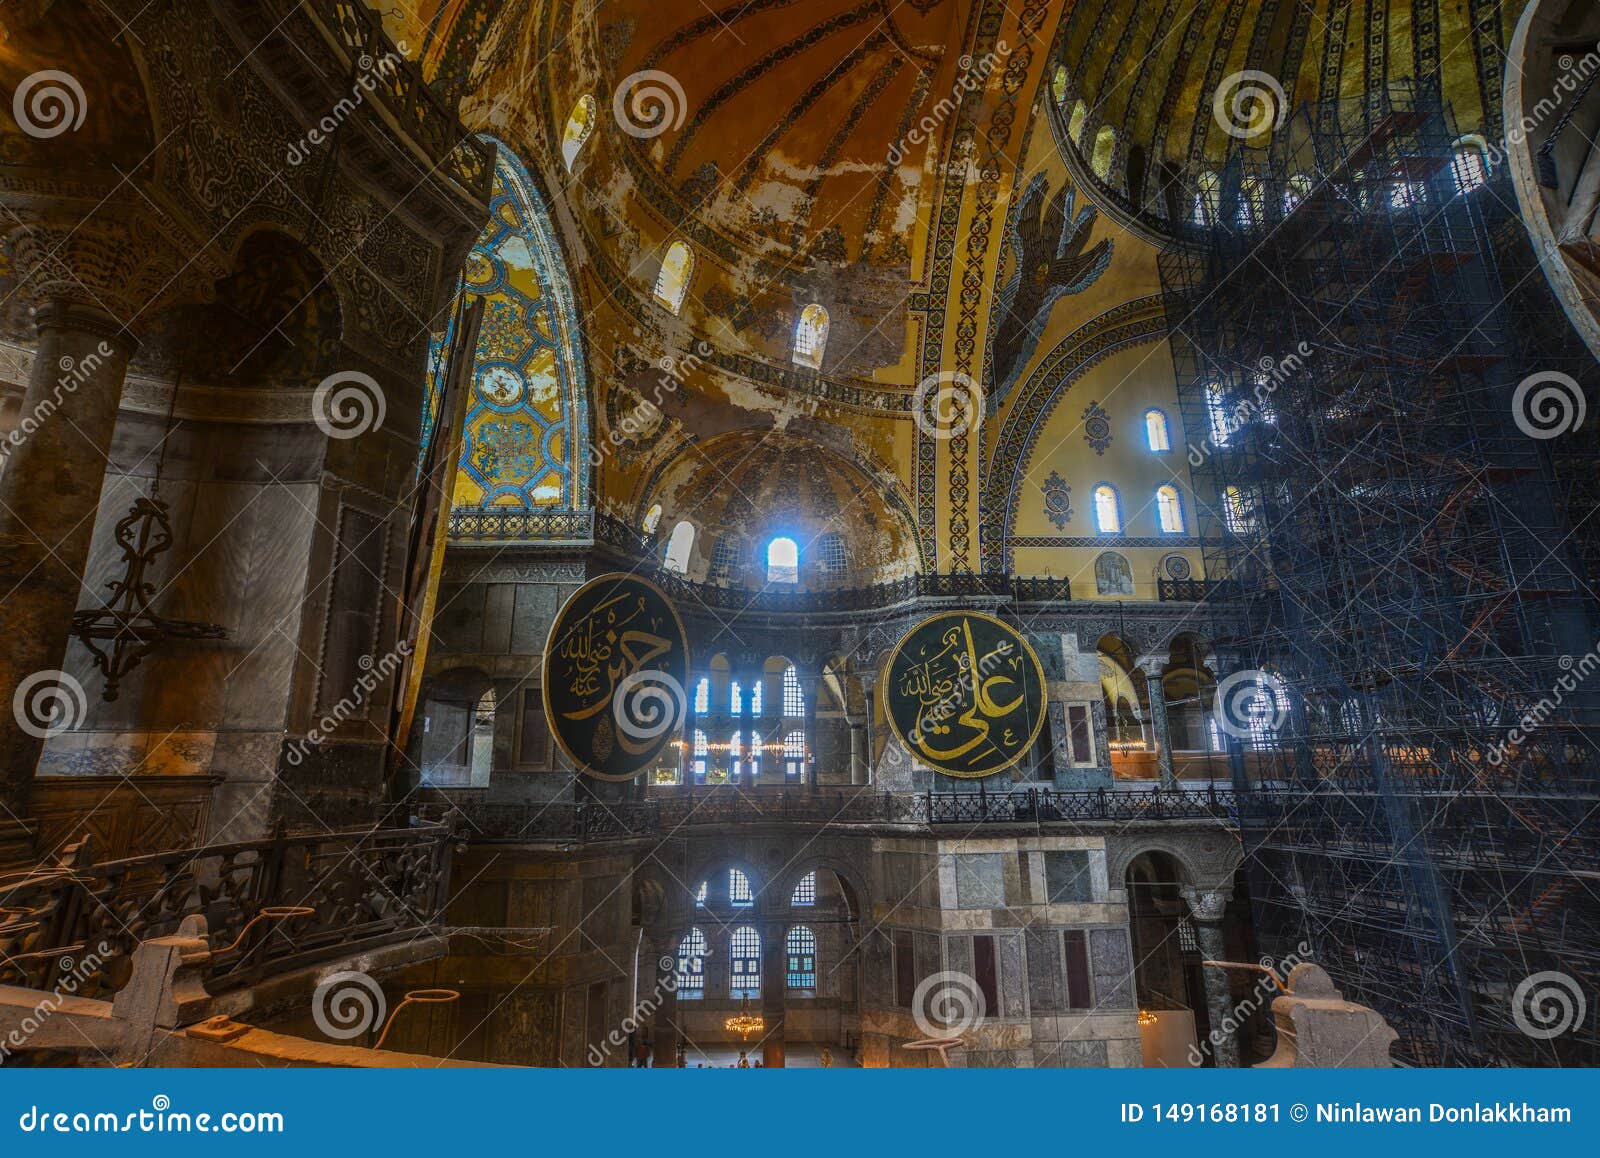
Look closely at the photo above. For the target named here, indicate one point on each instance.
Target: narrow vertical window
(692, 963)
(1157, 435)
(678, 548)
(1170, 509)
(744, 951)
(800, 947)
(579, 125)
(672, 283)
(811, 336)
(1107, 510)
(783, 561)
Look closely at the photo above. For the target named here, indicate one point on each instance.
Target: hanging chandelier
(744, 1023)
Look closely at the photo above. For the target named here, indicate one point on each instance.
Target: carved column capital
(1207, 905)
(122, 265)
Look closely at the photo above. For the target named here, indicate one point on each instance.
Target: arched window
(755, 697)
(794, 701)
(1105, 148)
(692, 964)
(1170, 509)
(579, 125)
(672, 283)
(702, 755)
(482, 743)
(1238, 513)
(1156, 432)
(1252, 202)
(739, 894)
(794, 757)
(811, 336)
(753, 762)
(1297, 190)
(735, 747)
(702, 696)
(1075, 122)
(1107, 510)
(1217, 416)
(744, 954)
(652, 519)
(525, 435)
(1112, 575)
(1058, 83)
(678, 548)
(700, 894)
(783, 561)
(800, 946)
(805, 891)
(831, 554)
(725, 557)
(1470, 164)
(1207, 199)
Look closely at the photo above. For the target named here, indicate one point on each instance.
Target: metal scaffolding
(1416, 764)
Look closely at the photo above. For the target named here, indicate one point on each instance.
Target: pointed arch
(525, 439)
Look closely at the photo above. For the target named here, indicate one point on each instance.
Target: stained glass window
(800, 947)
(744, 952)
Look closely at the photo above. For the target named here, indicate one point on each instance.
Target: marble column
(1158, 718)
(664, 1031)
(869, 694)
(812, 686)
(49, 495)
(774, 976)
(1206, 909)
(1102, 741)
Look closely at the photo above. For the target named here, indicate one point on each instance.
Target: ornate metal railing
(882, 595)
(83, 920)
(1042, 805)
(420, 115)
(575, 527)
(486, 822)
(1190, 590)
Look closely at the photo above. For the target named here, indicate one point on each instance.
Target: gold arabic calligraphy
(604, 649)
(957, 682)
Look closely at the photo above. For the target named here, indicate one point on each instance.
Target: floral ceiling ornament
(1057, 501)
(1096, 427)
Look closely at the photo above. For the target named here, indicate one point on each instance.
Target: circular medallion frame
(931, 629)
(583, 602)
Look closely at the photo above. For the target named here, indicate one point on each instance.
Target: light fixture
(1146, 1017)
(744, 1023)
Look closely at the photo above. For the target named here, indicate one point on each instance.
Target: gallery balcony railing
(276, 905)
(483, 821)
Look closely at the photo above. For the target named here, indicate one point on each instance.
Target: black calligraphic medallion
(965, 694)
(615, 668)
